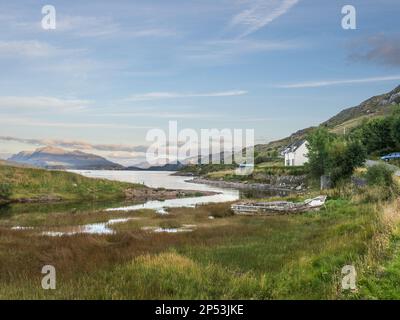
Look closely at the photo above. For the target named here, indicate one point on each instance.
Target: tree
(318, 149)
(395, 129)
(343, 157)
(376, 135)
(333, 156)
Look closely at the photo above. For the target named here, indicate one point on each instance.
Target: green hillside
(30, 184)
(345, 120)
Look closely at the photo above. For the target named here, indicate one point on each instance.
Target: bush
(380, 175)
(382, 185)
(332, 155)
(344, 157)
(380, 135)
(219, 210)
(5, 191)
(264, 158)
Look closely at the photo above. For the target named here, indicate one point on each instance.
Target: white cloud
(168, 115)
(29, 48)
(174, 95)
(87, 26)
(71, 125)
(77, 144)
(325, 83)
(259, 14)
(151, 32)
(41, 102)
(225, 50)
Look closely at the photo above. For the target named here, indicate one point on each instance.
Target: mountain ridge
(56, 158)
(378, 105)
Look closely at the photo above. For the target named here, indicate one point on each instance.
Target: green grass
(383, 282)
(232, 257)
(261, 174)
(32, 183)
(203, 169)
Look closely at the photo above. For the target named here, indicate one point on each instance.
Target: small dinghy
(278, 207)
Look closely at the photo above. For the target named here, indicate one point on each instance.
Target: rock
(326, 182)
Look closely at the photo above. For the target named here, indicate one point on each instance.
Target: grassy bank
(38, 184)
(297, 256)
(287, 257)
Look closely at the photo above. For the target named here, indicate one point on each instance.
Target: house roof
(294, 146)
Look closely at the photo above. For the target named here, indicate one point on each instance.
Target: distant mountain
(14, 164)
(56, 158)
(166, 167)
(344, 120)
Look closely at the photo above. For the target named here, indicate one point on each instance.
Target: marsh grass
(293, 256)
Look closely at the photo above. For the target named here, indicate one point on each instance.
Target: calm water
(154, 179)
(163, 179)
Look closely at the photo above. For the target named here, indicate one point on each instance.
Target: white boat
(279, 207)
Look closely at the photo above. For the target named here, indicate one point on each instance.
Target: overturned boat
(278, 207)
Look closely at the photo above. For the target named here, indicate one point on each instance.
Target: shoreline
(241, 186)
(142, 194)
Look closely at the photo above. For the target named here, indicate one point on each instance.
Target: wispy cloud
(76, 144)
(148, 32)
(68, 125)
(176, 95)
(225, 51)
(42, 102)
(260, 13)
(326, 83)
(31, 48)
(158, 114)
(88, 26)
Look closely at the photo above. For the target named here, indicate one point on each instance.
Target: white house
(296, 153)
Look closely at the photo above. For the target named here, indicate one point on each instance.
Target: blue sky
(111, 71)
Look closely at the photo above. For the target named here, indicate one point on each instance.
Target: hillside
(57, 158)
(166, 167)
(375, 106)
(346, 119)
(31, 185)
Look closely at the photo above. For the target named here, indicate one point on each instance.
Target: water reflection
(149, 178)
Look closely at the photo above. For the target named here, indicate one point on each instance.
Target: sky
(113, 70)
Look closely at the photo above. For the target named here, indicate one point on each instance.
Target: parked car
(391, 156)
